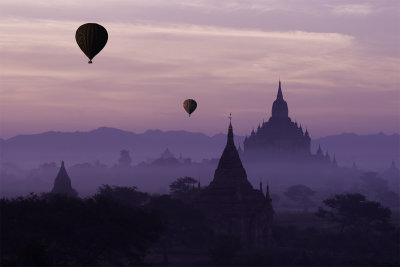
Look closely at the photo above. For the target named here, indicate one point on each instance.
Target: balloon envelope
(91, 38)
(189, 105)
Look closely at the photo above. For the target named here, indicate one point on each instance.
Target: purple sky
(339, 62)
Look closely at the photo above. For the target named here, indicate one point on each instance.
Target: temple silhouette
(281, 139)
(62, 183)
(232, 206)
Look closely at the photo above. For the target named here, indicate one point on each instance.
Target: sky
(339, 63)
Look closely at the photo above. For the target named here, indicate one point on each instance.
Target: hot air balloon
(91, 38)
(189, 105)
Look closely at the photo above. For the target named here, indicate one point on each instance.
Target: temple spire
(230, 157)
(280, 95)
(62, 183)
(230, 132)
(279, 107)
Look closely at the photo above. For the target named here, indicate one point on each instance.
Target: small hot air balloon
(189, 105)
(91, 38)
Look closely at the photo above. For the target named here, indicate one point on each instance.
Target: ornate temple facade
(230, 203)
(62, 183)
(281, 138)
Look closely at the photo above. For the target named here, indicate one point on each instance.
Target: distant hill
(371, 152)
(104, 144)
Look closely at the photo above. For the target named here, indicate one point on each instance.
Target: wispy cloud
(225, 54)
(353, 9)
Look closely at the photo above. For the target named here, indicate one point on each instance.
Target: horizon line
(177, 130)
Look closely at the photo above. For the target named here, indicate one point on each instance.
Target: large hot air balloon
(189, 105)
(91, 38)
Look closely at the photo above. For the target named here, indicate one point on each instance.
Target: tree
(124, 158)
(126, 195)
(184, 226)
(301, 195)
(75, 232)
(354, 211)
(182, 188)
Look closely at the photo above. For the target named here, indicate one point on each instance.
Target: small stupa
(62, 183)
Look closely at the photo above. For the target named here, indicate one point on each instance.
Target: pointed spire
(230, 131)
(261, 190)
(279, 107)
(62, 183)
(230, 157)
(280, 95)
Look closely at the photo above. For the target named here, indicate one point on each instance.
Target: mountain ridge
(104, 144)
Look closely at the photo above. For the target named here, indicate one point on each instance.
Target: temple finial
(230, 130)
(280, 95)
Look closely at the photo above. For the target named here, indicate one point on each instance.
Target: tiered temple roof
(231, 204)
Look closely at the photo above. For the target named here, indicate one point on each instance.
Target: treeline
(123, 226)
(59, 230)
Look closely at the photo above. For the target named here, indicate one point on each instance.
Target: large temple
(230, 203)
(280, 138)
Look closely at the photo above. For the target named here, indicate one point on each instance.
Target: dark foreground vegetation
(122, 226)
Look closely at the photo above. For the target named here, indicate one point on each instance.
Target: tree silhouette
(78, 232)
(183, 188)
(184, 226)
(126, 195)
(354, 211)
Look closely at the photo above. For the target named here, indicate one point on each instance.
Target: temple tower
(230, 203)
(62, 183)
(279, 138)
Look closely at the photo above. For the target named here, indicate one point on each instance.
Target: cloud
(354, 9)
(229, 62)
